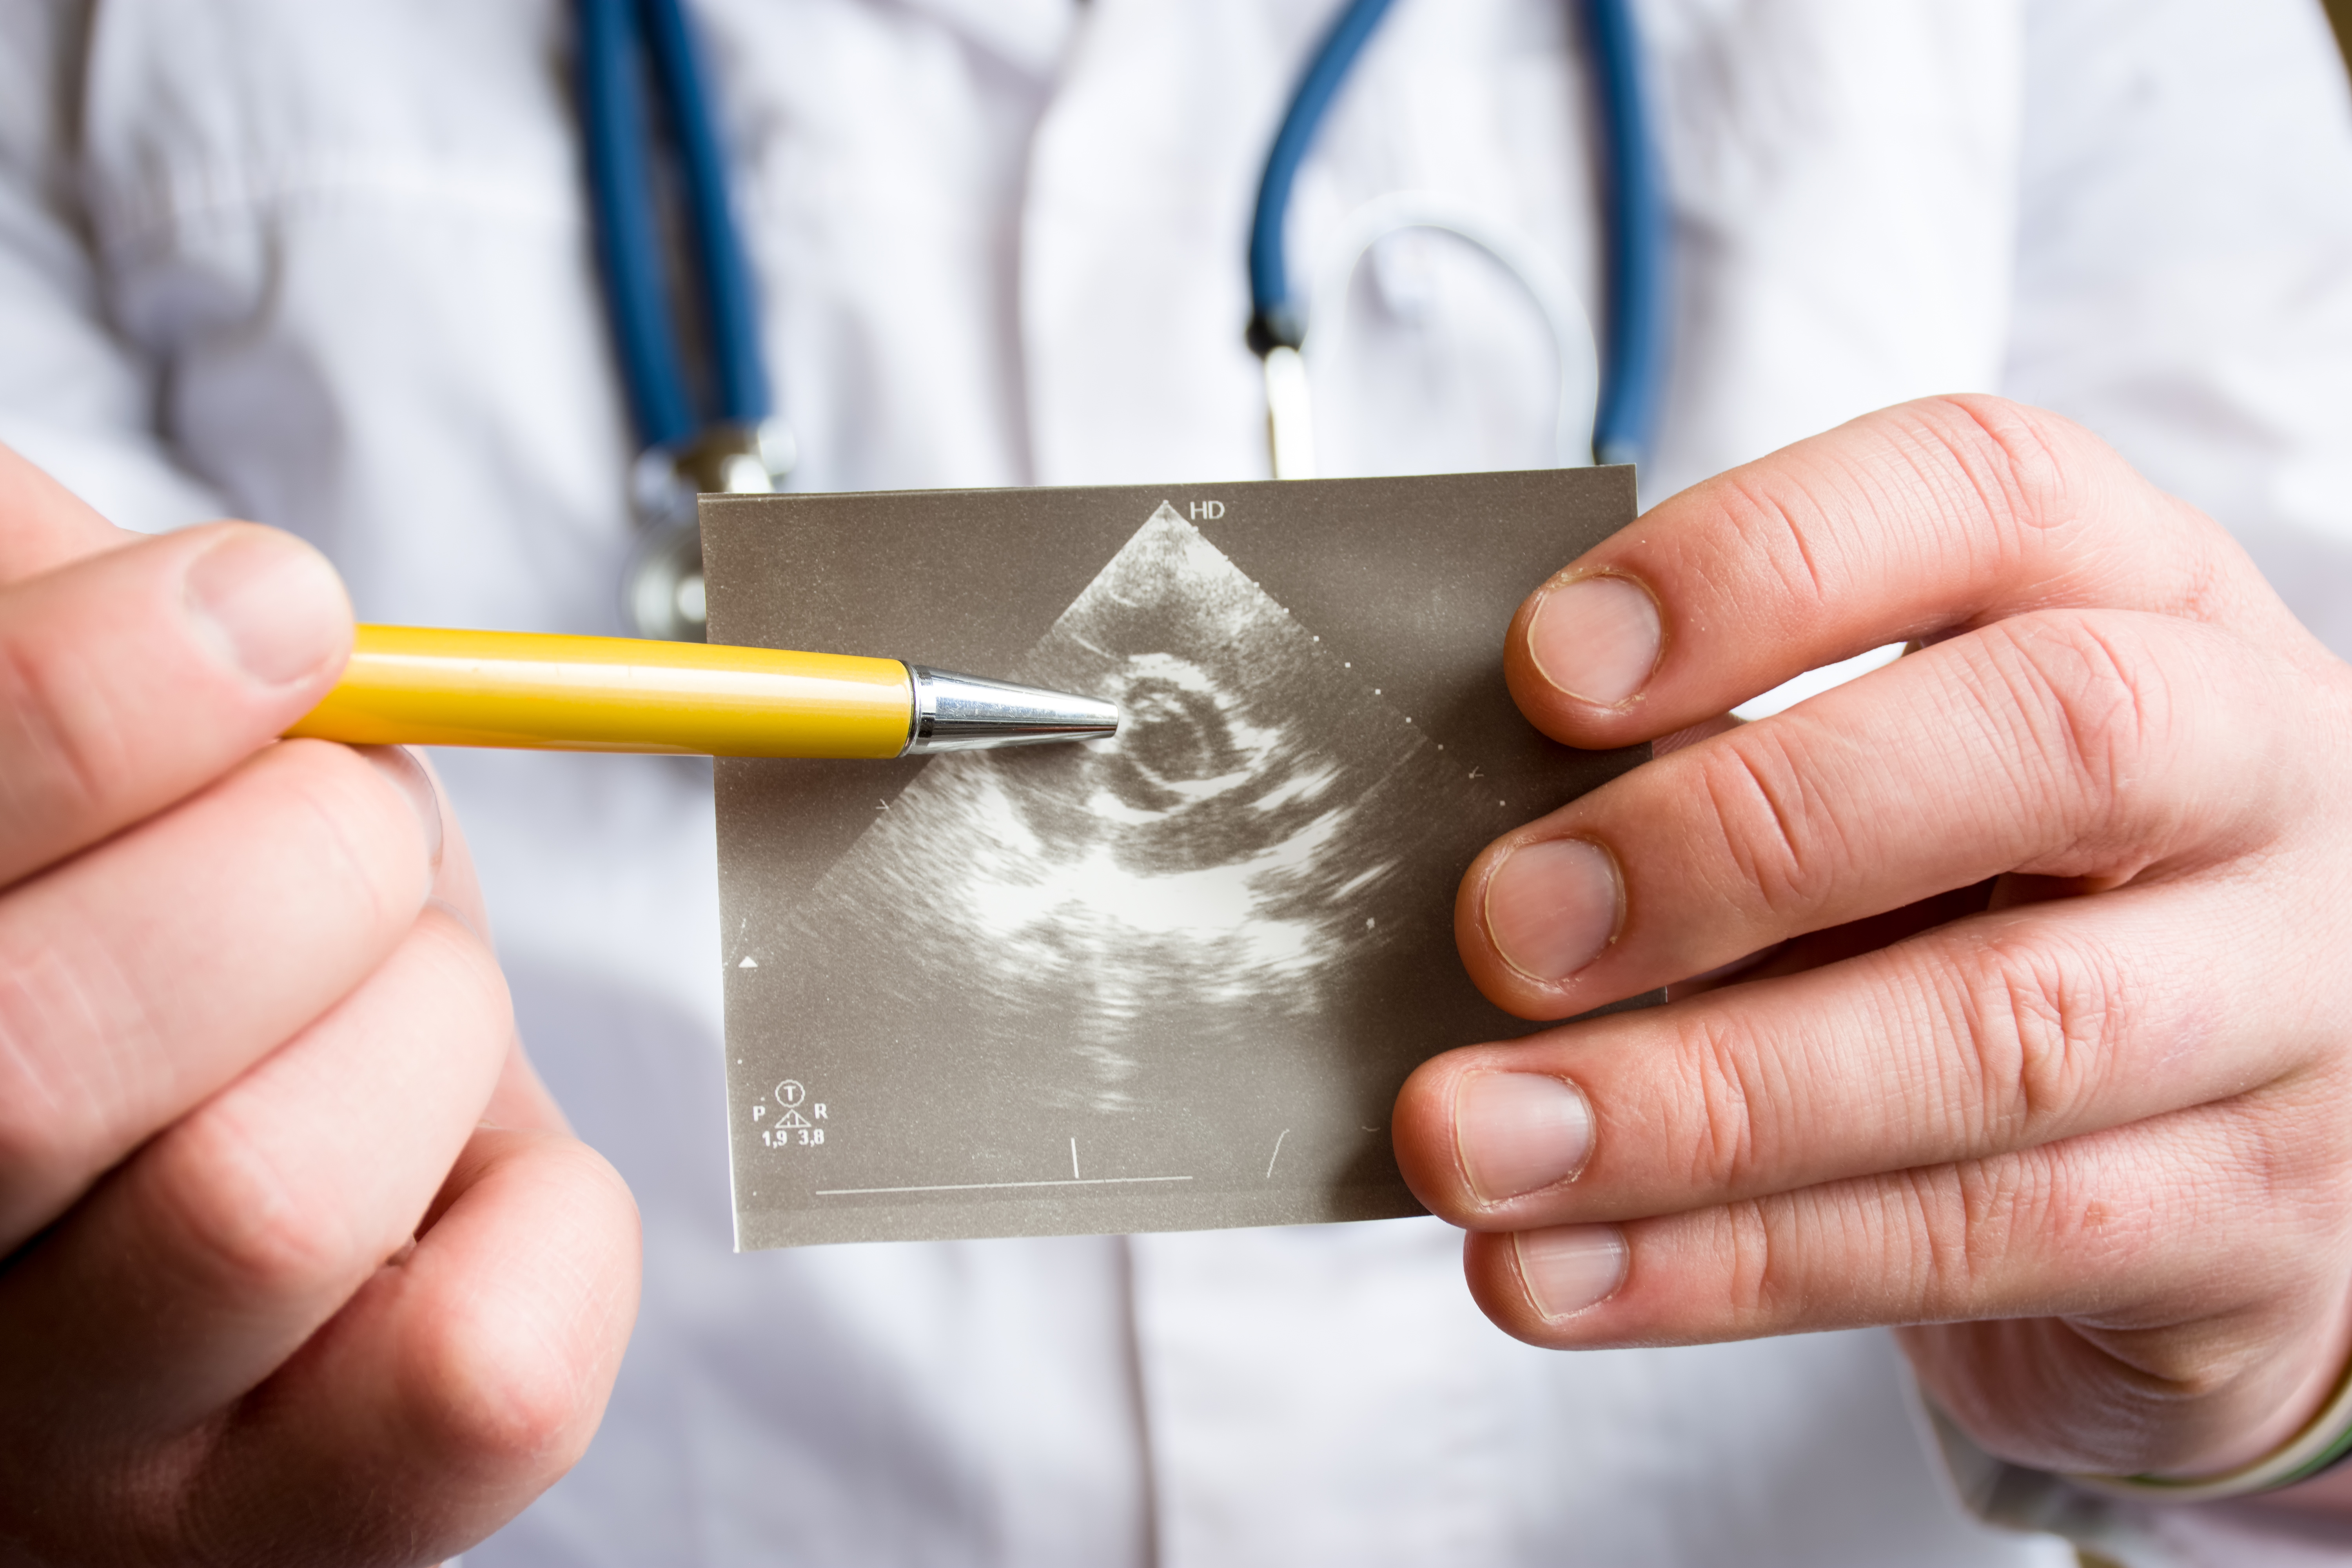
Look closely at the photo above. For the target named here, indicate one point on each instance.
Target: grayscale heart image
(1166, 980)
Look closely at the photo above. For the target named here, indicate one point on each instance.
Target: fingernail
(1552, 907)
(400, 764)
(1596, 638)
(1571, 1267)
(1518, 1132)
(269, 603)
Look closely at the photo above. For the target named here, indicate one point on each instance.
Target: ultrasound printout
(1168, 981)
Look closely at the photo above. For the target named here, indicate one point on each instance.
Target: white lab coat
(323, 263)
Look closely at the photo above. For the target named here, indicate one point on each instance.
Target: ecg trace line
(975, 1187)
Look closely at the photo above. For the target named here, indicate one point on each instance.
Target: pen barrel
(419, 686)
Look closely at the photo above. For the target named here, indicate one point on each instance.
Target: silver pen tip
(969, 713)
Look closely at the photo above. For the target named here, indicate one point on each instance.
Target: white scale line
(975, 1187)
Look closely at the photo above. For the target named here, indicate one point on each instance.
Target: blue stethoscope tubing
(1636, 221)
(625, 46)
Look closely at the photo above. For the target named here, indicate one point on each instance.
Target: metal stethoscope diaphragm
(662, 593)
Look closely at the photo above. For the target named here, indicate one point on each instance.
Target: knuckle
(2002, 469)
(68, 1019)
(2023, 473)
(2286, 1150)
(251, 1227)
(504, 1406)
(1793, 1261)
(62, 744)
(1967, 1220)
(1728, 1083)
(2114, 706)
(1781, 851)
(1907, 1232)
(1758, 1290)
(1872, 1250)
(2091, 709)
(1891, 1229)
(2034, 1016)
(510, 1390)
(1920, 1239)
(1774, 510)
(1987, 474)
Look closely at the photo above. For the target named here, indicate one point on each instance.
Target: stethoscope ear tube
(1637, 251)
(624, 46)
(1640, 249)
(1275, 320)
(721, 437)
(1573, 342)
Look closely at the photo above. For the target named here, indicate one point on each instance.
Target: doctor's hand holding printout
(2041, 1043)
(301, 1263)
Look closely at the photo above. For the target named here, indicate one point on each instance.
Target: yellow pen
(425, 687)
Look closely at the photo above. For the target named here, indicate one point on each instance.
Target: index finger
(44, 525)
(1927, 518)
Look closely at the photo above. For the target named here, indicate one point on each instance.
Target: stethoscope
(671, 257)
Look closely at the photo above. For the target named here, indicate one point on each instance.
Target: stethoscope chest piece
(662, 593)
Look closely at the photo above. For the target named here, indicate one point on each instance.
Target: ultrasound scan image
(1168, 980)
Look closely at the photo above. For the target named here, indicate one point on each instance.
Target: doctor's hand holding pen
(300, 1260)
(2041, 1046)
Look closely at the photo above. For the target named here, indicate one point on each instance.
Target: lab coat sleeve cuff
(2127, 1534)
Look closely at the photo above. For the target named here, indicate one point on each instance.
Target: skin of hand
(2040, 1053)
(301, 1263)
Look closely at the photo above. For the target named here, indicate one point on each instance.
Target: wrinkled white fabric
(324, 262)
